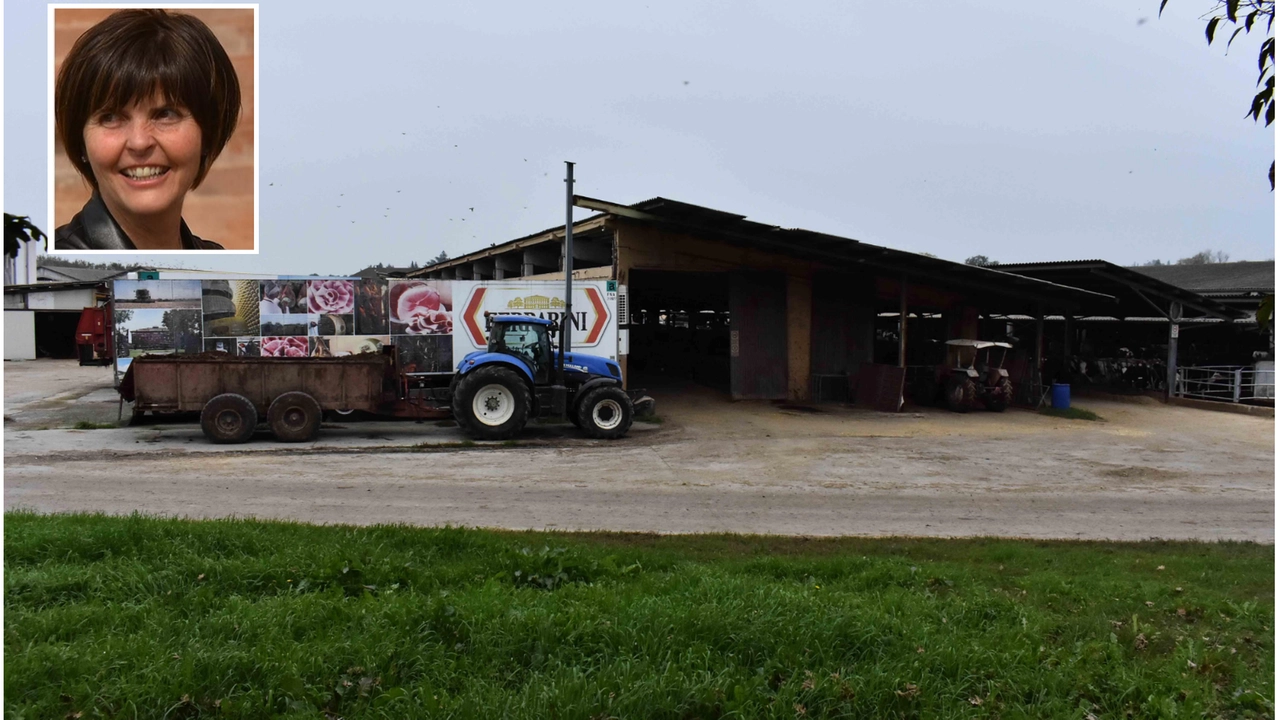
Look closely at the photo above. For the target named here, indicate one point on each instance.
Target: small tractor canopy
(979, 344)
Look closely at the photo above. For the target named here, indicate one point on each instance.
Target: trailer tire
(228, 418)
(492, 403)
(294, 417)
(606, 413)
(1000, 399)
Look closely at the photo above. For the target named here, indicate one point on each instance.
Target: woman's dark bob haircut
(135, 54)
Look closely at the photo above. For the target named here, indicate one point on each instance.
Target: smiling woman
(145, 102)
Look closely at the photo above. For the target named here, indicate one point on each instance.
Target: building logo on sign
(535, 302)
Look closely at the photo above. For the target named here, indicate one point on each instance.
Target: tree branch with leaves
(19, 229)
(1246, 16)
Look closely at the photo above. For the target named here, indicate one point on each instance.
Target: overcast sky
(1031, 131)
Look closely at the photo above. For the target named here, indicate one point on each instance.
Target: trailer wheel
(294, 417)
(491, 403)
(606, 413)
(228, 418)
(1000, 398)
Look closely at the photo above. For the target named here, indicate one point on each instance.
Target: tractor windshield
(527, 341)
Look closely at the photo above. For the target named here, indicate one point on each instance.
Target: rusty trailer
(232, 394)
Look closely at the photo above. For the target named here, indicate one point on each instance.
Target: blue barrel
(1061, 396)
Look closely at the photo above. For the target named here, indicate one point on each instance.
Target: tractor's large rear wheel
(606, 413)
(961, 392)
(491, 403)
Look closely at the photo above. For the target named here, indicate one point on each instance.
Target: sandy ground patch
(1149, 471)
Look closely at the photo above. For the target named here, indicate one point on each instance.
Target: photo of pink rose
(421, 307)
(337, 297)
(284, 347)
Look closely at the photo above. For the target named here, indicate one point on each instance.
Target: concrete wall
(19, 335)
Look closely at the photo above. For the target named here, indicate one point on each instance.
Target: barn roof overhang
(1136, 294)
(992, 288)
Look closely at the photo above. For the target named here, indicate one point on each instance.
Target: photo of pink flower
(421, 307)
(337, 297)
(284, 347)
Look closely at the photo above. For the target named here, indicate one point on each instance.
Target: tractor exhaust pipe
(565, 327)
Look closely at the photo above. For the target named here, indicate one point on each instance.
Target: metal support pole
(1235, 387)
(1171, 370)
(902, 322)
(1037, 370)
(566, 324)
(1068, 337)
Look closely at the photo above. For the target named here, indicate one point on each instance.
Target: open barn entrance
(679, 329)
(56, 333)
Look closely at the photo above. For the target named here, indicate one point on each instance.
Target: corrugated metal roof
(1257, 276)
(838, 252)
(1135, 291)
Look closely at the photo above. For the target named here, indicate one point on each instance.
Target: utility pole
(566, 322)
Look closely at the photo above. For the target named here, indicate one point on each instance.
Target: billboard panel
(325, 317)
(595, 320)
(284, 317)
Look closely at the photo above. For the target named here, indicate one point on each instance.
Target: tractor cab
(526, 338)
(978, 358)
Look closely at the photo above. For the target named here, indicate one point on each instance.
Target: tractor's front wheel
(999, 397)
(606, 413)
(491, 403)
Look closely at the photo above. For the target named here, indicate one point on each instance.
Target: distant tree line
(1204, 257)
(54, 261)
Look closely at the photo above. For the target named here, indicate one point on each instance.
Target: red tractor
(973, 376)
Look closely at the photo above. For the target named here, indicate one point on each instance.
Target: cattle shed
(760, 311)
(1150, 319)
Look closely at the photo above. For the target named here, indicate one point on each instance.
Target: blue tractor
(497, 390)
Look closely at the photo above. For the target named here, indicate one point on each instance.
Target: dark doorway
(56, 333)
(679, 329)
(758, 336)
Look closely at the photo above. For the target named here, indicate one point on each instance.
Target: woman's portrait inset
(145, 102)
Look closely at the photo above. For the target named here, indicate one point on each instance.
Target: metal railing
(1227, 383)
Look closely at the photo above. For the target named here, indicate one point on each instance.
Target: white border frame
(52, 144)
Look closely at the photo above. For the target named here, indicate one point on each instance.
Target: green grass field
(137, 617)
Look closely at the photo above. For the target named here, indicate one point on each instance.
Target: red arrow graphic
(469, 317)
(602, 316)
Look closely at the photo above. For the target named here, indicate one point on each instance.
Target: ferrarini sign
(594, 321)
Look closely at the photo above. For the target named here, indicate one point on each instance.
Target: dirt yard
(1147, 471)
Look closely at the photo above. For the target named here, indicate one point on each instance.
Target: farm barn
(759, 311)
